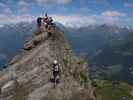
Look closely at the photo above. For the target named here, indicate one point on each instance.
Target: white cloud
(22, 3)
(107, 20)
(106, 17)
(23, 7)
(75, 20)
(113, 14)
(15, 19)
(69, 21)
(53, 1)
(1, 26)
(114, 18)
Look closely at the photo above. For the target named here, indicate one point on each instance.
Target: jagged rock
(40, 38)
(34, 69)
(35, 41)
(36, 33)
(29, 45)
(131, 92)
(8, 86)
(15, 59)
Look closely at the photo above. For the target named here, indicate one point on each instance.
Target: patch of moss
(83, 76)
(110, 92)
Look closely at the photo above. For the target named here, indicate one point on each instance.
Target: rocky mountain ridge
(28, 75)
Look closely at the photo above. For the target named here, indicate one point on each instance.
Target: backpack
(56, 67)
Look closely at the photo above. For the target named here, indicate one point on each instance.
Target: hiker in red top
(46, 17)
(39, 24)
(45, 20)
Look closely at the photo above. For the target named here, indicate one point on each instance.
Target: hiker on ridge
(56, 72)
(39, 22)
(45, 20)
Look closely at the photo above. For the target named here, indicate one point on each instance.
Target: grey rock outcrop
(33, 70)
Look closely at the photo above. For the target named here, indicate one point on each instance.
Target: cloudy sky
(74, 13)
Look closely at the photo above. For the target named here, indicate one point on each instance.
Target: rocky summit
(28, 74)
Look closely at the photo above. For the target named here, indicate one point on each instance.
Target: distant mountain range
(95, 37)
(109, 49)
(12, 38)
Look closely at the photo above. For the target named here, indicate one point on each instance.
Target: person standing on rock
(45, 20)
(50, 21)
(56, 73)
(39, 22)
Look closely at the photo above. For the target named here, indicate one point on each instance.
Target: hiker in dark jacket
(56, 72)
(39, 22)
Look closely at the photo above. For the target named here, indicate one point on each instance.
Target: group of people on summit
(45, 21)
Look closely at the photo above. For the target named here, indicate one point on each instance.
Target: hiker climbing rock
(56, 73)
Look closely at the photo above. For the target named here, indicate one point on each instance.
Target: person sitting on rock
(56, 72)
